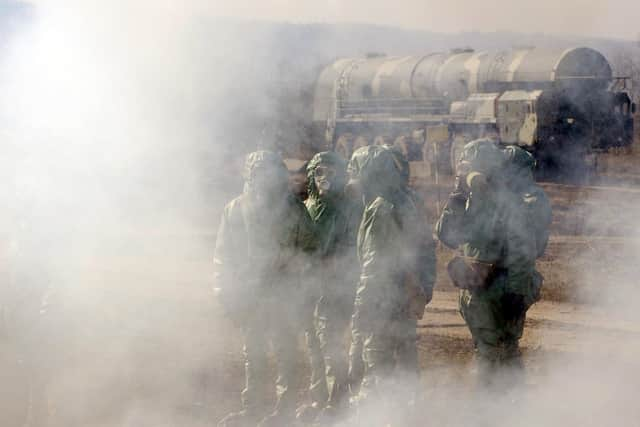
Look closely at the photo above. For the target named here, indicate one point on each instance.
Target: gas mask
(263, 186)
(323, 178)
(468, 180)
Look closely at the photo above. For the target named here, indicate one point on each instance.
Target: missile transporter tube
(561, 104)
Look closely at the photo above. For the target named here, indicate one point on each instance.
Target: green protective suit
(356, 362)
(261, 253)
(335, 275)
(497, 225)
(394, 242)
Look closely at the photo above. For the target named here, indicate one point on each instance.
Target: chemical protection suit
(333, 278)
(260, 257)
(492, 224)
(397, 268)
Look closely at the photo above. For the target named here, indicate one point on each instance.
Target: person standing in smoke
(334, 277)
(261, 253)
(356, 362)
(498, 220)
(397, 273)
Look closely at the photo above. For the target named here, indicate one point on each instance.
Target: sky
(611, 18)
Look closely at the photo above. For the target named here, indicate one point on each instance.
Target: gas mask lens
(325, 172)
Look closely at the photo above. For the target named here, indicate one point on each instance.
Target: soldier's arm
(307, 239)
(375, 250)
(450, 228)
(347, 257)
(223, 255)
(230, 292)
(520, 254)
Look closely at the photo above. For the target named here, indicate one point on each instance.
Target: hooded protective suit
(261, 253)
(489, 219)
(395, 250)
(334, 276)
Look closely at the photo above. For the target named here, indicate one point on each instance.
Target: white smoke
(119, 127)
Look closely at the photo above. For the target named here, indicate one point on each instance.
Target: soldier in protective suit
(397, 273)
(261, 254)
(334, 275)
(356, 362)
(498, 219)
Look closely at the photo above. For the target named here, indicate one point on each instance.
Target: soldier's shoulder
(235, 203)
(379, 207)
(233, 209)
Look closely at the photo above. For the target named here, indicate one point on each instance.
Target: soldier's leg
(318, 391)
(479, 314)
(332, 320)
(407, 353)
(487, 354)
(378, 355)
(356, 362)
(407, 386)
(378, 350)
(286, 352)
(511, 358)
(255, 368)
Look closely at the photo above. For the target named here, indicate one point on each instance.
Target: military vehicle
(563, 105)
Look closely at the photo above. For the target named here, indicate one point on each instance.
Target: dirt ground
(143, 343)
(556, 333)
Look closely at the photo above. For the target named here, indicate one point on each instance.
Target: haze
(610, 19)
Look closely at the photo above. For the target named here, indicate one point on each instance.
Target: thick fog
(123, 127)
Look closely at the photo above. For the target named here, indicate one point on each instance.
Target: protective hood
(327, 158)
(519, 166)
(401, 163)
(267, 167)
(482, 156)
(378, 171)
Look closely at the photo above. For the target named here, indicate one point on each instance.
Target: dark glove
(513, 306)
